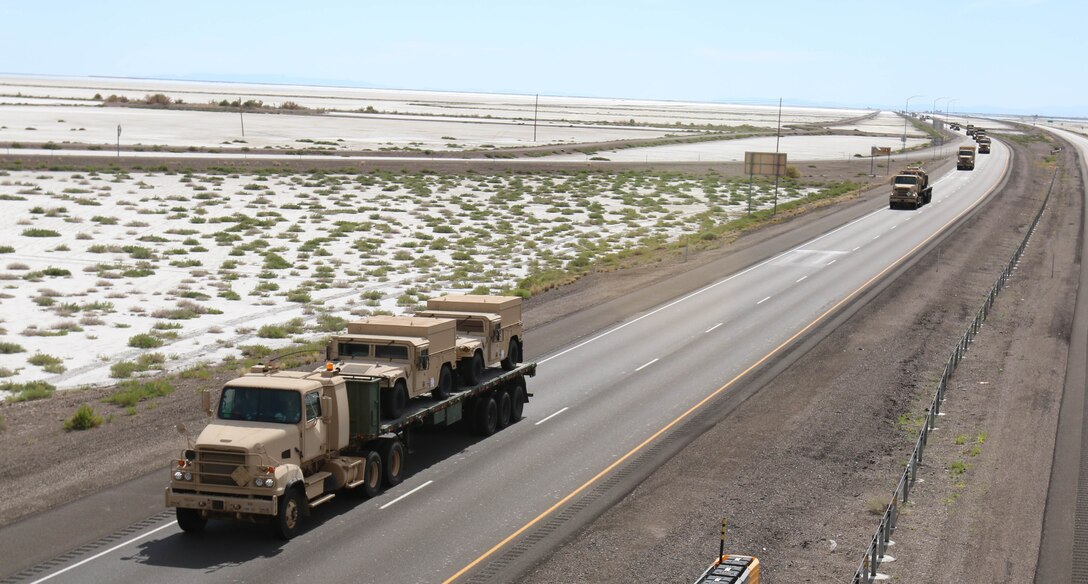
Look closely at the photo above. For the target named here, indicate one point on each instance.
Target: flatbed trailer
(446, 412)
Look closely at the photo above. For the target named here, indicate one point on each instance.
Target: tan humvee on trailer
(410, 355)
(489, 331)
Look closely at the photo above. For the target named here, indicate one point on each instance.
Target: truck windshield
(260, 405)
(906, 180)
(399, 352)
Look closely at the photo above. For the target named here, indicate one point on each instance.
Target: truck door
(314, 432)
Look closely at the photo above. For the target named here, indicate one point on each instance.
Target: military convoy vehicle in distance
(984, 145)
(910, 189)
(965, 158)
(283, 442)
(489, 331)
(410, 356)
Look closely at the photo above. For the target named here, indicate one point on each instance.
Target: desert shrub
(272, 331)
(83, 419)
(56, 272)
(49, 363)
(144, 341)
(273, 261)
(298, 295)
(6, 249)
(28, 391)
(40, 233)
(9, 348)
(132, 392)
(158, 99)
(123, 369)
(328, 323)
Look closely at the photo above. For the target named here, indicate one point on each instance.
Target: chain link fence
(878, 546)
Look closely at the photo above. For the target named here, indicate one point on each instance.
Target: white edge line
(102, 553)
(551, 416)
(645, 365)
(707, 287)
(713, 327)
(404, 496)
(764, 300)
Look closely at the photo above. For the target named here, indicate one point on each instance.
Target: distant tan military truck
(489, 331)
(410, 355)
(984, 145)
(283, 442)
(965, 159)
(910, 189)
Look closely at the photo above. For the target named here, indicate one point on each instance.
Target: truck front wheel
(473, 369)
(513, 356)
(372, 476)
(191, 520)
(445, 384)
(289, 517)
(394, 400)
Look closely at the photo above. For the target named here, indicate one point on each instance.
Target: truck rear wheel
(517, 400)
(504, 407)
(191, 520)
(513, 356)
(485, 415)
(372, 476)
(445, 384)
(289, 518)
(393, 456)
(472, 370)
(394, 400)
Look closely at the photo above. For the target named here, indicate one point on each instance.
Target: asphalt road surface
(482, 510)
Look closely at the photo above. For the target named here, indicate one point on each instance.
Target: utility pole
(777, 171)
(240, 118)
(118, 140)
(536, 112)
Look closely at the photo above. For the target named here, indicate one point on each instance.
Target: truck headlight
(177, 475)
(188, 476)
(266, 482)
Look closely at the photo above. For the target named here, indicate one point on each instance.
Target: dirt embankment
(803, 468)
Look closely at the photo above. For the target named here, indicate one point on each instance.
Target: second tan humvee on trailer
(489, 331)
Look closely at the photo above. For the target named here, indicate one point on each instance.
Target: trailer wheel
(504, 407)
(445, 384)
(191, 520)
(372, 476)
(485, 415)
(289, 517)
(395, 400)
(513, 356)
(517, 400)
(473, 369)
(393, 457)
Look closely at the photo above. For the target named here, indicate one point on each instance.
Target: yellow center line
(714, 394)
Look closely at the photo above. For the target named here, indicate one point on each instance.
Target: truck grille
(214, 467)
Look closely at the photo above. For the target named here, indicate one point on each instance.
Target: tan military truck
(283, 442)
(410, 356)
(984, 145)
(965, 159)
(910, 188)
(489, 331)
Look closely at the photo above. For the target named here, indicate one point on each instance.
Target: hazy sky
(1014, 56)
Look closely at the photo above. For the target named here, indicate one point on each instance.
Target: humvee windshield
(260, 405)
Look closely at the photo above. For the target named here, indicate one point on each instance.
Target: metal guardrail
(878, 546)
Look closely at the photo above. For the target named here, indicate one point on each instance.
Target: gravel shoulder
(802, 469)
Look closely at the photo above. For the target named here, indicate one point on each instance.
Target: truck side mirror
(326, 408)
(497, 332)
(206, 402)
(424, 361)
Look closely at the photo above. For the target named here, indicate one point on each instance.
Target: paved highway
(479, 510)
